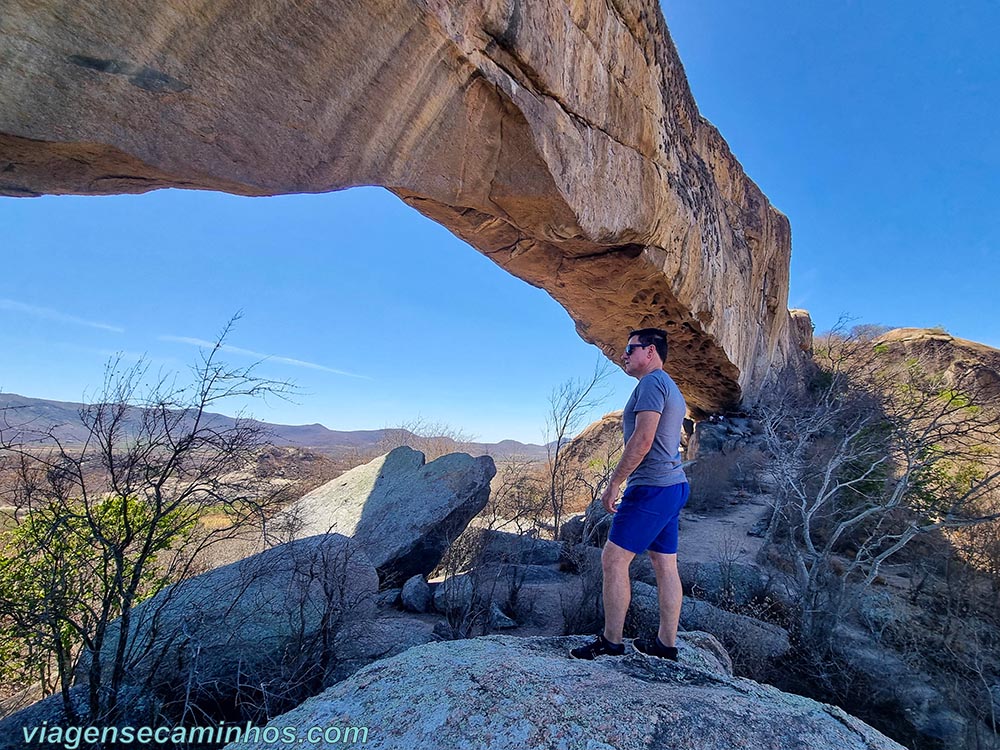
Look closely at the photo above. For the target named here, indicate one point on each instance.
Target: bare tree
(595, 478)
(597, 473)
(880, 451)
(517, 497)
(569, 406)
(99, 526)
(433, 439)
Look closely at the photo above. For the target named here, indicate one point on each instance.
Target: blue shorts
(647, 518)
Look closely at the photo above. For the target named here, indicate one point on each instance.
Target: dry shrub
(719, 479)
(712, 482)
(582, 608)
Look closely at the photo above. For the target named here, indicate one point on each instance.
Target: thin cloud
(260, 355)
(50, 314)
(119, 355)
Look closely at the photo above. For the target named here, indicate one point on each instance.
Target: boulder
(643, 616)
(596, 524)
(571, 532)
(895, 688)
(506, 693)
(455, 594)
(494, 583)
(704, 650)
(362, 642)
(712, 581)
(734, 583)
(754, 646)
(541, 600)
(388, 598)
(721, 434)
(499, 620)
(402, 511)
(741, 425)
(519, 575)
(641, 569)
(751, 643)
(269, 619)
(504, 547)
(710, 438)
(416, 595)
(557, 607)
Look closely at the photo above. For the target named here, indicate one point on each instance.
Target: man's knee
(663, 562)
(614, 557)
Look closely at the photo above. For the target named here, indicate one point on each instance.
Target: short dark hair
(655, 336)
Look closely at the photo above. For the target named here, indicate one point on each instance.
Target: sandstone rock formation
(502, 692)
(802, 330)
(402, 512)
(591, 455)
(560, 139)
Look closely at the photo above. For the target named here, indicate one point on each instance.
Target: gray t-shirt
(662, 465)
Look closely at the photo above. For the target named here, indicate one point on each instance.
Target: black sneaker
(654, 647)
(599, 647)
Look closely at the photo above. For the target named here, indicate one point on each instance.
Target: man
(657, 490)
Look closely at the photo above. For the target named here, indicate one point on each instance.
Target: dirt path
(723, 535)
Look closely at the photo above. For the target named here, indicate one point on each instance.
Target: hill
(42, 420)
(954, 358)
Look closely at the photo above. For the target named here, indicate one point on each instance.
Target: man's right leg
(617, 589)
(670, 595)
(617, 594)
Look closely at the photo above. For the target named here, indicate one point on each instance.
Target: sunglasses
(632, 347)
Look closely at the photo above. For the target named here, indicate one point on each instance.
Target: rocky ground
(500, 692)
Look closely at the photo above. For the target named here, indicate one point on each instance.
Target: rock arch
(558, 138)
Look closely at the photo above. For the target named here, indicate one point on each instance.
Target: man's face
(639, 357)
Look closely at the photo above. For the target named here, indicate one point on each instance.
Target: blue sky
(871, 125)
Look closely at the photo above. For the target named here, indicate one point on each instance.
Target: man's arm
(635, 450)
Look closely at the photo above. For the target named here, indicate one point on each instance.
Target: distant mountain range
(35, 417)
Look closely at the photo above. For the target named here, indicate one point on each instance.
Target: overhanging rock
(558, 138)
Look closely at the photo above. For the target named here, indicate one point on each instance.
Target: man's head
(646, 351)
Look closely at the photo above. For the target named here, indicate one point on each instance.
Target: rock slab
(506, 693)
